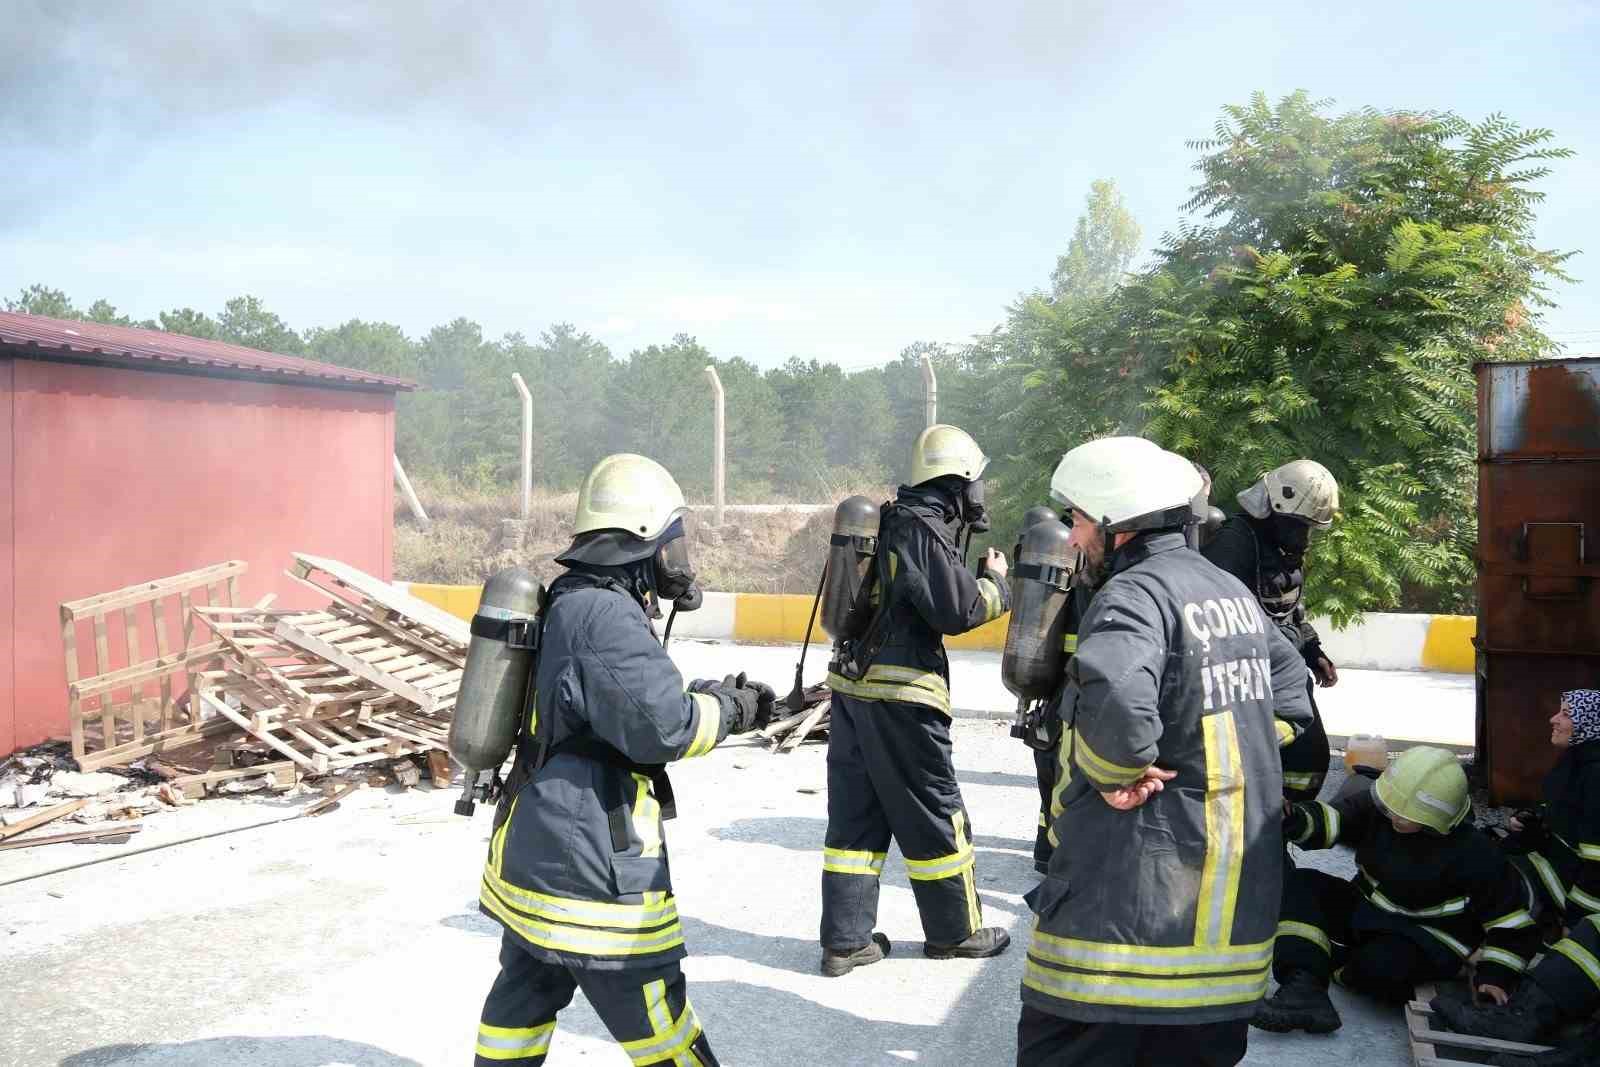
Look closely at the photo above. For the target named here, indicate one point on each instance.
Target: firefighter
(1565, 985)
(889, 762)
(1430, 891)
(577, 874)
(1153, 934)
(1264, 546)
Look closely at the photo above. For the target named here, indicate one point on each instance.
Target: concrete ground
(354, 938)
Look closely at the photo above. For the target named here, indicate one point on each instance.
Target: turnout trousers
(646, 1009)
(1570, 970)
(1046, 765)
(1045, 1040)
(1306, 758)
(1315, 937)
(890, 776)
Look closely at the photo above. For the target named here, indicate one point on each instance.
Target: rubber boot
(1301, 1003)
(981, 944)
(1526, 1017)
(836, 962)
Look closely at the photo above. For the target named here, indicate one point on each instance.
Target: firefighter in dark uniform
(1431, 890)
(890, 774)
(1153, 936)
(577, 873)
(1565, 985)
(1264, 547)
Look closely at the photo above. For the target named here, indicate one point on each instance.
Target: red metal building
(128, 455)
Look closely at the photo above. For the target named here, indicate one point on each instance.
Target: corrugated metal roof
(43, 338)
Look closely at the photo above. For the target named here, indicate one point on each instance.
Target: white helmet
(1127, 483)
(631, 493)
(1301, 489)
(942, 450)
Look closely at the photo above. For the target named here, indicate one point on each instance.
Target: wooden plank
(233, 591)
(69, 646)
(809, 723)
(130, 629)
(102, 663)
(354, 664)
(122, 830)
(122, 678)
(144, 591)
(48, 815)
(186, 609)
(221, 708)
(381, 592)
(165, 741)
(158, 617)
(394, 730)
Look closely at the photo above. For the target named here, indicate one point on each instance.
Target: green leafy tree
(1102, 247)
(42, 300)
(190, 323)
(375, 347)
(246, 321)
(1354, 269)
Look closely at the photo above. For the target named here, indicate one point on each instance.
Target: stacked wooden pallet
(792, 726)
(1432, 1046)
(372, 676)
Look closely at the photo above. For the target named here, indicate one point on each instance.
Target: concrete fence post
(719, 448)
(930, 393)
(527, 445)
(409, 493)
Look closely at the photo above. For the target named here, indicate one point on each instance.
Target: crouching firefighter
(889, 757)
(577, 871)
(1155, 919)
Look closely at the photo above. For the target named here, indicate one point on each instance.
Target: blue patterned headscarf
(1585, 707)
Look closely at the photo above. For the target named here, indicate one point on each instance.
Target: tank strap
(589, 747)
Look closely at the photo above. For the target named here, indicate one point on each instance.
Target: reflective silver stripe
(1331, 824)
(852, 861)
(514, 1043)
(1516, 920)
(993, 606)
(1455, 946)
(940, 866)
(583, 912)
(1581, 957)
(580, 940)
(707, 724)
(671, 1038)
(1547, 875)
(1503, 958)
(1140, 959)
(1151, 992)
(1439, 911)
(1582, 899)
(1589, 852)
(1224, 828)
(1290, 928)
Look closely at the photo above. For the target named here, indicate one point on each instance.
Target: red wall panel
(7, 629)
(123, 476)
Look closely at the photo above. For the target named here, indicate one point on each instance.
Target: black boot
(837, 961)
(1529, 1015)
(1301, 1003)
(1581, 1050)
(990, 941)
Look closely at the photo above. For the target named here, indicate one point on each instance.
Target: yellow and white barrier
(1381, 641)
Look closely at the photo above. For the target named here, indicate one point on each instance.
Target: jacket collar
(1145, 546)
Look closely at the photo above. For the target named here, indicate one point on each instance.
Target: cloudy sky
(825, 179)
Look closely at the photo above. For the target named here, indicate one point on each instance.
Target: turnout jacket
(929, 594)
(1448, 893)
(1244, 552)
(1165, 914)
(578, 872)
(1567, 859)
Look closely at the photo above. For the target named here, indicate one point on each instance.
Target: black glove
(1312, 653)
(766, 698)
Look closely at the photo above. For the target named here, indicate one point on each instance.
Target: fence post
(930, 393)
(527, 445)
(719, 454)
(409, 493)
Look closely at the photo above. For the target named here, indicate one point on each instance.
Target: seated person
(1564, 844)
(1431, 889)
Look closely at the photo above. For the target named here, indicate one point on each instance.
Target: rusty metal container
(1538, 559)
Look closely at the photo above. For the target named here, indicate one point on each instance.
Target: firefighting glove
(766, 698)
(746, 703)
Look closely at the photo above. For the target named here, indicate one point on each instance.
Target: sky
(827, 180)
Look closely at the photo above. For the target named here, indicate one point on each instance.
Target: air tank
(845, 613)
(494, 685)
(1032, 664)
(1036, 514)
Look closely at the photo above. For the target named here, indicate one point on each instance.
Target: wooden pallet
(1431, 1047)
(384, 605)
(127, 706)
(301, 681)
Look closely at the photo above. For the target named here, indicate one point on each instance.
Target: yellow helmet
(631, 493)
(942, 450)
(1426, 786)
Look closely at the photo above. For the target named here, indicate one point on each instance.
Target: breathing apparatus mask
(672, 574)
(1292, 536)
(973, 513)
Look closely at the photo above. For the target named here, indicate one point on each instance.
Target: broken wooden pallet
(796, 727)
(304, 681)
(383, 604)
(1433, 1047)
(113, 715)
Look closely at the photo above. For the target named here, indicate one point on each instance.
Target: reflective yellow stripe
(583, 941)
(1582, 899)
(646, 818)
(1589, 852)
(1505, 959)
(947, 866)
(993, 604)
(1285, 736)
(497, 843)
(1514, 920)
(1149, 959)
(969, 872)
(1455, 946)
(1063, 779)
(889, 682)
(670, 1038)
(1042, 823)
(852, 861)
(1547, 875)
(1102, 770)
(1224, 862)
(1371, 891)
(1331, 824)
(514, 1043)
(1069, 644)
(1581, 957)
(1145, 992)
(707, 724)
(1290, 928)
(599, 914)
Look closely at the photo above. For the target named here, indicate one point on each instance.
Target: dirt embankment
(466, 542)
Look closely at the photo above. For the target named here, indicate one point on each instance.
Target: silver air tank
(1033, 660)
(854, 542)
(494, 685)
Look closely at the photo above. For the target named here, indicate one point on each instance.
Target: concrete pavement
(355, 939)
